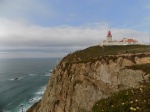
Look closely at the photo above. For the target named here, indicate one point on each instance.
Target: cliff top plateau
(96, 52)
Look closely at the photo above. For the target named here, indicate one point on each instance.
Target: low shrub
(137, 100)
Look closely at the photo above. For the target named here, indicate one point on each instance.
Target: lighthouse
(109, 36)
(124, 41)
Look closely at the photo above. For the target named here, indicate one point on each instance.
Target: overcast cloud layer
(33, 28)
(22, 37)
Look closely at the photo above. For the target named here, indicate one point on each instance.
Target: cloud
(28, 27)
(18, 36)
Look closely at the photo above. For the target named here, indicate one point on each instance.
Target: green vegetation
(130, 100)
(95, 52)
(77, 82)
(144, 67)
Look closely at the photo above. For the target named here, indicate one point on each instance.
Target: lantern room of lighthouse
(109, 36)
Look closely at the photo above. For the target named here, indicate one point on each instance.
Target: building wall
(109, 38)
(117, 43)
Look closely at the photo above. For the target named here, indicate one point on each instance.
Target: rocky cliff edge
(75, 86)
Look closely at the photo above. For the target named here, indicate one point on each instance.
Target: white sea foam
(51, 71)
(35, 99)
(10, 79)
(24, 106)
(47, 75)
(23, 110)
(32, 74)
(39, 92)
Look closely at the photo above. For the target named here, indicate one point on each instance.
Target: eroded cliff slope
(78, 82)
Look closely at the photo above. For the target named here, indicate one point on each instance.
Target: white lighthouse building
(124, 41)
(109, 37)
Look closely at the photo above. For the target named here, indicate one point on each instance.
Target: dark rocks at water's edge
(50, 71)
(34, 107)
(16, 78)
(75, 85)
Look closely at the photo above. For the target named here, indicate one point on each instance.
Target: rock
(75, 87)
(16, 78)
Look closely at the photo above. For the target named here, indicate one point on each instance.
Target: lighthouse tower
(109, 36)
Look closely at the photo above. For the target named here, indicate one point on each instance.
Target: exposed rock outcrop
(76, 86)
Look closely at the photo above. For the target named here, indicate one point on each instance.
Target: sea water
(23, 82)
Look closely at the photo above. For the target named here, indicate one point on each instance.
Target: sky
(54, 28)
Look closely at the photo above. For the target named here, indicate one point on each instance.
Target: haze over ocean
(22, 82)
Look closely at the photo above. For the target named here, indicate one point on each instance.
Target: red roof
(128, 40)
(131, 40)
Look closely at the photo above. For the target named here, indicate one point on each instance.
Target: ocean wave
(13, 79)
(47, 75)
(32, 74)
(23, 110)
(35, 99)
(41, 90)
(37, 96)
(26, 104)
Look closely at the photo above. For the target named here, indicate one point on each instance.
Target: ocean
(23, 82)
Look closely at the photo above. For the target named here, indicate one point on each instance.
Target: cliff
(83, 77)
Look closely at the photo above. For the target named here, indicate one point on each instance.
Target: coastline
(35, 105)
(91, 75)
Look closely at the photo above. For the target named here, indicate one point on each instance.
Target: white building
(124, 41)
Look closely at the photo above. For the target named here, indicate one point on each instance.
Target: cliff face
(76, 86)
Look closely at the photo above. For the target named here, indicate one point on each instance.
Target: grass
(95, 52)
(130, 100)
(144, 67)
(77, 82)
